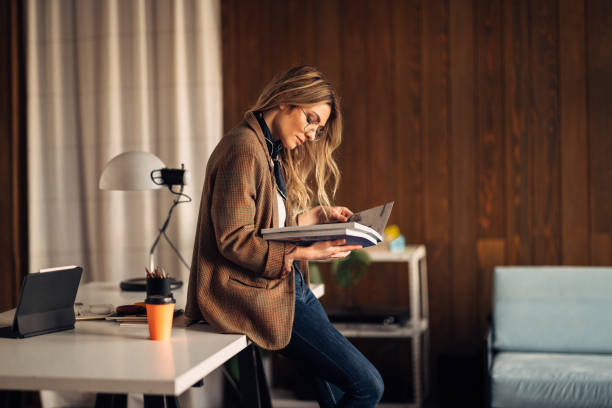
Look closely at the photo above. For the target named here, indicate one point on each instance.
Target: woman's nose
(310, 135)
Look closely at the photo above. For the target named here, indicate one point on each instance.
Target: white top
(101, 356)
(282, 212)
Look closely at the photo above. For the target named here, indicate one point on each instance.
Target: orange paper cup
(160, 312)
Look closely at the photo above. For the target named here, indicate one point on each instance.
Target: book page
(375, 218)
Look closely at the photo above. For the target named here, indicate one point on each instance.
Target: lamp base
(140, 284)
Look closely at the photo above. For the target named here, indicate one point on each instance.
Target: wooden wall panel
(436, 189)
(300, 30)
(573, 132)
(378, 91)
(544, 129)
(599, 66)
(251, 54)
(518, 153)
(7, 287)
(489, 120)
(601, 249)
(407, 96)
(280, 49)
(355, 148)
(488, 123)
(13, 164)
(263, 56)
(231, 69)
(328, 41)
(464, 203)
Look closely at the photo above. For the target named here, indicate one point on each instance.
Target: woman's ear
(282, 106)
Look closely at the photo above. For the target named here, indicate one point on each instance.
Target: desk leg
(11, 399)
(111, 400)
(160, 401)
(253, 386)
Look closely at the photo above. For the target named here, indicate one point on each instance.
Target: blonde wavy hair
(310, 167)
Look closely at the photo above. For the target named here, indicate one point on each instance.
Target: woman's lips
(300, 141)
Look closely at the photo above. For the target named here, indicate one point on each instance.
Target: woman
(262, 174)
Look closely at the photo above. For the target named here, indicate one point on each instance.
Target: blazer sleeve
(233, 211)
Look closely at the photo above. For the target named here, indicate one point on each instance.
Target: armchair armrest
(487, 359)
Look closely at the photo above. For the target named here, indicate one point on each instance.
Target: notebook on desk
(46, 303)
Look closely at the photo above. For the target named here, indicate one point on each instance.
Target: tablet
(46, 302)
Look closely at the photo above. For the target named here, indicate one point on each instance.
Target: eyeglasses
(312, 128)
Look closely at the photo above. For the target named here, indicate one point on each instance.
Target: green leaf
(315, 272)
(349, 271)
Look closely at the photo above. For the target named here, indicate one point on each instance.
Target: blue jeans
(342, 376)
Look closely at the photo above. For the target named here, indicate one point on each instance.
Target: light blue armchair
(550, 343)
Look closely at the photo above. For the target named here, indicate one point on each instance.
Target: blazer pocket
(260, 283)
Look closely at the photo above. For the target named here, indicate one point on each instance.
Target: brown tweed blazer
(234, 281)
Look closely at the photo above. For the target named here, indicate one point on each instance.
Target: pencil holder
(158, 286)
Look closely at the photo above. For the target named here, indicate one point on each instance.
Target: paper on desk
(92, 312)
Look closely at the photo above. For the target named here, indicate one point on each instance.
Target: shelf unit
(417, 328)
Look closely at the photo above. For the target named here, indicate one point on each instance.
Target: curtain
(105, 77)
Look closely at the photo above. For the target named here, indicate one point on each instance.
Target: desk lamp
(133, 171)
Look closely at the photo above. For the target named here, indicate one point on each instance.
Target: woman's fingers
(350, 247)
(320, 214)
(338, 215)
(338, 246)
(341, 213)
(343, 251)
(332, 249)
(340, 242)
(345, 211)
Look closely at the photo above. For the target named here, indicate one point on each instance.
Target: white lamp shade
(131, 171)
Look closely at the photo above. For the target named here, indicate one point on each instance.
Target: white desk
(102, 357)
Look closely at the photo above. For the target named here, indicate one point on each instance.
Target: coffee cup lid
(159, 300)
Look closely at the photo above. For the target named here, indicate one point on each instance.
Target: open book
(363, 228)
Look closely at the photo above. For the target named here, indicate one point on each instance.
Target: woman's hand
(316, 215)
(324, 250)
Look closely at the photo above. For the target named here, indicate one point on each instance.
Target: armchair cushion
(551, 380)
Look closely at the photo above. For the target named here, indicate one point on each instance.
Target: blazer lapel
(251, 122)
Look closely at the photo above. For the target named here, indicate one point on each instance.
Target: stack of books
(354, 233)
(138, 320)
(121, 318)
(364, 228)
(135, 319)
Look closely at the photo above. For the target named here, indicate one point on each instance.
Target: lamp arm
(161, 231)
